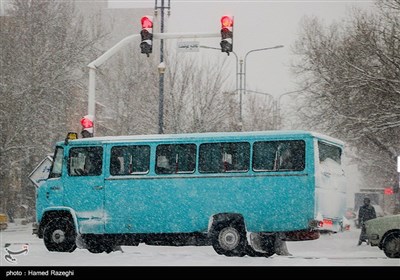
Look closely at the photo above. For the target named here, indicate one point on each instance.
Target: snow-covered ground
(329, 250)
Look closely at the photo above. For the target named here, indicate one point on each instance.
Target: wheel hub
(229, 238)
(58, 236)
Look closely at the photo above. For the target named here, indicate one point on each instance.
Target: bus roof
(202, 136)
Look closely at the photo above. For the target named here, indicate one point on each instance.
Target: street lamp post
(256, 50)
(278, 108)
(241, 72)
(243, 89)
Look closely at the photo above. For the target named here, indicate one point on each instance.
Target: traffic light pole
(116, 48)
(97, 63)
(161, 73)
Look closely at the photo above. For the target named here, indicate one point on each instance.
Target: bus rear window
(327, 151)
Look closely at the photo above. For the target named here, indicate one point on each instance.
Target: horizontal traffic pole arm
(110, 52)
(113, 50)
(184, 35)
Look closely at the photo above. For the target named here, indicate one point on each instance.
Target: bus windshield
(56, 168)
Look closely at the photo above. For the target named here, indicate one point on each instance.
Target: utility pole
(161, 67)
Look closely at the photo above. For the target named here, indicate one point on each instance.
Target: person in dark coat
(366, 212)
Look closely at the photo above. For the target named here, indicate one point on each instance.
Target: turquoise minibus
(235, 191)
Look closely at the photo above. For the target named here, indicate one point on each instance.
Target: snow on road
(329, 250)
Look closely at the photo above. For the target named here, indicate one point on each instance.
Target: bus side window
(224, 157)
(291, 155)
(279, 155)
(85, 161)
(175, 158)
(128, 160)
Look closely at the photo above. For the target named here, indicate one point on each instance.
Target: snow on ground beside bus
(329, 250)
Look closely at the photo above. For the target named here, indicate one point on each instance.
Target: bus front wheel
(229, 239)
(59, 235)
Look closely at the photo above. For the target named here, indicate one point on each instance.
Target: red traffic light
(226, 34)
(226, 21)
(388, 191)
(147, 22)
(87, 121)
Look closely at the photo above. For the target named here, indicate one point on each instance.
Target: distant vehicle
(378, 210)
(384, 232)
(3, 221)
(239, 190)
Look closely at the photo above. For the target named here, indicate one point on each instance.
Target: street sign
(41, 172)
(188, 46)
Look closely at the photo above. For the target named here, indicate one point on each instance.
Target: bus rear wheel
(265, 245)
(229, 239)
(97, 245)
(59, 235)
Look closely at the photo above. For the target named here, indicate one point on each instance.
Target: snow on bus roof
(202, 135)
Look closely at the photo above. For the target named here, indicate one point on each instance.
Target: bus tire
(60, 236)
(267, 247)
(391, 245)
(229, 238)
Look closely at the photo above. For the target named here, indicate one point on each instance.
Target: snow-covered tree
(44, 46)
(352, 74)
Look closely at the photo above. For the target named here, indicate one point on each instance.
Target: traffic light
(388, 191)
(146, 45)
(87, 126)
(226, 34)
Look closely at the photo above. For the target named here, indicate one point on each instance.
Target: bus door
(84, 187)
(127, 193)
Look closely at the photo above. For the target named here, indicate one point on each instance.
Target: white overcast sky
(258, 24)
